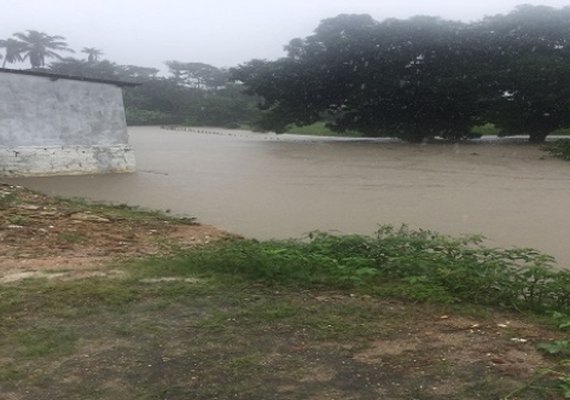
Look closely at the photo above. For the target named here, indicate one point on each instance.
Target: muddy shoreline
(285, 186)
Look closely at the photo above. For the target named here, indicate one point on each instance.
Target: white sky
(218, 32)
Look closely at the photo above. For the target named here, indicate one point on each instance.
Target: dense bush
(422, 265)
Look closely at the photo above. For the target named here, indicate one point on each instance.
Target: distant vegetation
(319, 129)
(192, 94)
(414, 79)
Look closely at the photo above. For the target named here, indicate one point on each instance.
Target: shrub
(559, 148)
(419, 264)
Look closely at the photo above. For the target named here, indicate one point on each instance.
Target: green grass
(118, 211)
(487, 129)
(8, 199)
(218, 338)
(72, 237)
(561, 132)
(18, 220)
(320, 129)
(45, 341)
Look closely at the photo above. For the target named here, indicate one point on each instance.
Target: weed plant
(421, 265)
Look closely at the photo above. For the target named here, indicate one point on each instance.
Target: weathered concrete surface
(65, 160)
(50, 127)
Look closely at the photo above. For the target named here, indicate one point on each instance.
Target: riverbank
(41, 234)
(273, 186)
(102, 302)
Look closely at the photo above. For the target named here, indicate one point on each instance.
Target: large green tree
(421, 77)
(530, 65)
(396, 78)
(37, 46)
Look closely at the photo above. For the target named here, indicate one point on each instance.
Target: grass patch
(487, 129)
(559, 148)
(18, 220)
(561, 132)
(117, 212)
(72, 237)
(47, 341)
(320, 129)
(8, 199)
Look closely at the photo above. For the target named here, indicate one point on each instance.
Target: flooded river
(267, 186)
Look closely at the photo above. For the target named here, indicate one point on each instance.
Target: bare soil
(39, 233)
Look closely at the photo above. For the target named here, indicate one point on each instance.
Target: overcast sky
(218, 32)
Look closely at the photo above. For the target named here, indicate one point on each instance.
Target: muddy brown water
(268, 186)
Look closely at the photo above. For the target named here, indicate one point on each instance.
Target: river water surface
(268, 186)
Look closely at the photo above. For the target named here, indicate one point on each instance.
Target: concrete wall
(58, 127)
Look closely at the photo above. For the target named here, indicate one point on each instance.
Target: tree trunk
(538, 137)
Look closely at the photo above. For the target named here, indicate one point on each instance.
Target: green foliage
(561, 320)
(561, 347)
(43, 342)
(72, 237)
(561, 132)
(8, 199)
(414, 264)
(320, 129)
(487, 129)
(422, 77)
(559, 148)
(197, 75)
(199, 95)
(136, 116)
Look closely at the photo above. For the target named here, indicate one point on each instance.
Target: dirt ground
(39, 233)
(91, 331)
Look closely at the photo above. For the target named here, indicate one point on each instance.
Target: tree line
(410, 78)
(422, 77)
(193, 93)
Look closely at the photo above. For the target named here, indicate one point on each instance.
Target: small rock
(48, 213)
(88, 217)
(29, 207)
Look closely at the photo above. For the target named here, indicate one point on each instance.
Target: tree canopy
(37, 46)
(421, 77)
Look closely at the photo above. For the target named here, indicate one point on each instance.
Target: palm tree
(14, 49)
(38, 46)
(92, 53)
